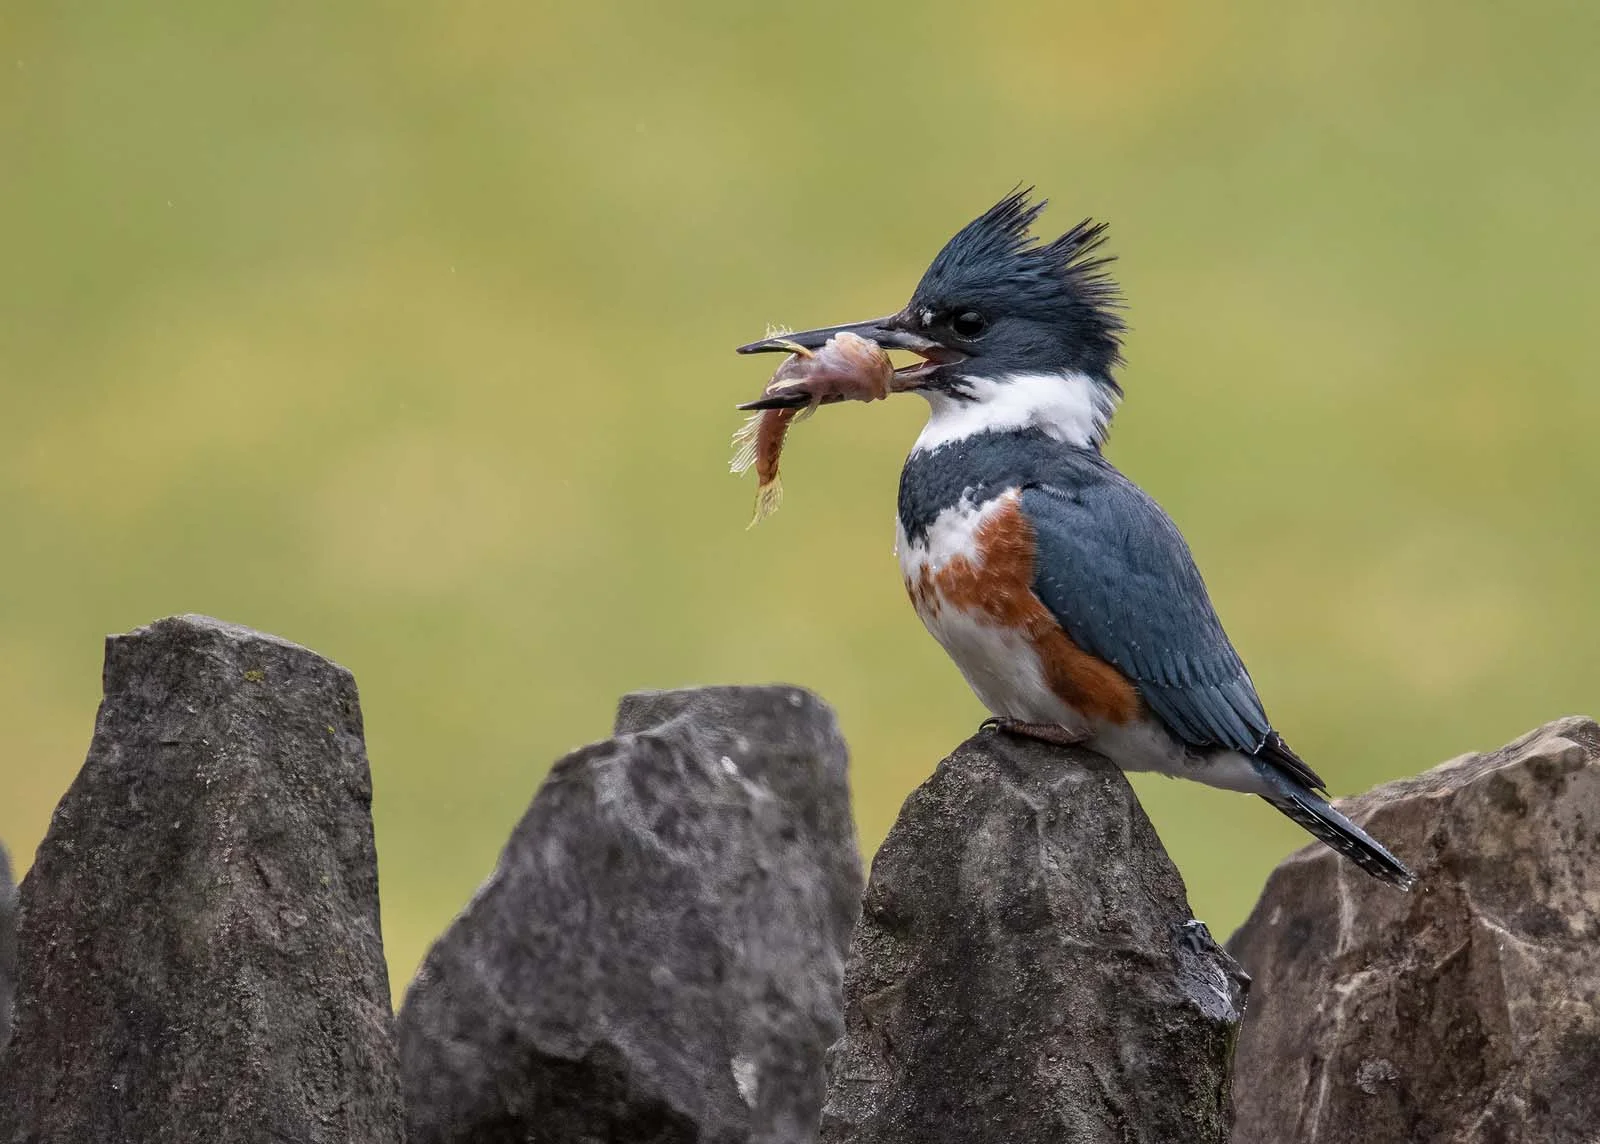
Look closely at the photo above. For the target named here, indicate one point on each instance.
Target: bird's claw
(1053, 733)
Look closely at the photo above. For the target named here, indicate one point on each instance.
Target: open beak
(892, 333)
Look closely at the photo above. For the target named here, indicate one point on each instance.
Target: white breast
(1004, 671)
(999, 664)
(953, 534)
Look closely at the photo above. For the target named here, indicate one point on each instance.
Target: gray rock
(199, 947)
(658, 956)
(1023, 970)
(8, 945)
(1467, 1011)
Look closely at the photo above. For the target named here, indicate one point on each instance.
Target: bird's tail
(1329, 826)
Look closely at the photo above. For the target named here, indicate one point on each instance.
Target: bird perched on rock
(1066, 596)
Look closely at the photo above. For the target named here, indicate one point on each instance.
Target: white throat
(1071, 407)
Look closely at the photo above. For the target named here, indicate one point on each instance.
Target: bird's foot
(1055, 733)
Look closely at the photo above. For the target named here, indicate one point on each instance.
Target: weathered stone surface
(1022, 971)
(8, 946)
(1467, 1012)
(658, 956)
(199, 944)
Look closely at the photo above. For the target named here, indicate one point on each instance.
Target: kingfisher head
(1014, 333)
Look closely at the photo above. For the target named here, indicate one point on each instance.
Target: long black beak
(892, 333)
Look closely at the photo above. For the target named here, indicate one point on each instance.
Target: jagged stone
(1467, 1012)
(658, 955)
(199, 950)
(8, 946)
(1023, 970)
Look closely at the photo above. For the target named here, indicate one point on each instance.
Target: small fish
(759, 442)
(847, 368)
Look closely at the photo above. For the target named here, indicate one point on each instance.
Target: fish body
(848, 368)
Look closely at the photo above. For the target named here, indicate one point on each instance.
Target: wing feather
(1117, 575)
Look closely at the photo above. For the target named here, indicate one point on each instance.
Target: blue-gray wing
(1118, 576)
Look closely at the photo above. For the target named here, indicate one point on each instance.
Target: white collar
(1071, 407)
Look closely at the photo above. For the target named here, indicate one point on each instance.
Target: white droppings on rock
(745, 1077)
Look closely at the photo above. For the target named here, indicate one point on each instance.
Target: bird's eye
(968, 324)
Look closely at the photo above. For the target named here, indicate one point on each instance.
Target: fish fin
(744, 441)
(768, 497)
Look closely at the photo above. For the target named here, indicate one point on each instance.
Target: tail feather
(1327, 825)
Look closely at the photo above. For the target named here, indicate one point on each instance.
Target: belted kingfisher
(1066, 596)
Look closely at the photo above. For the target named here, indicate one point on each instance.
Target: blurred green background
(403, 330)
